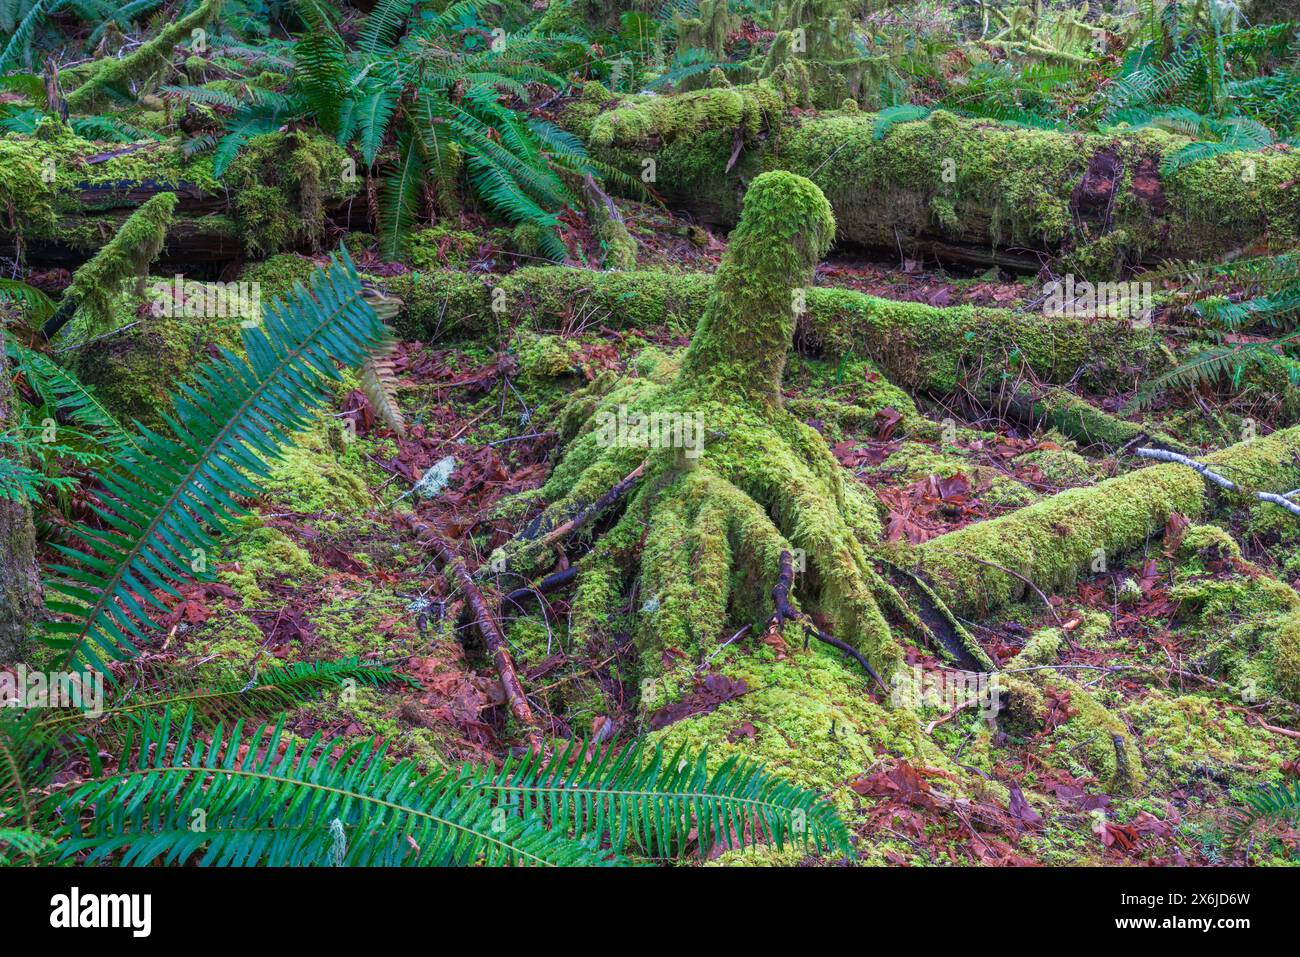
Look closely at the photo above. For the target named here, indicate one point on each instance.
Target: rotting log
(62, 196)
(1099, 201)
(1052, 542)
(919, 347)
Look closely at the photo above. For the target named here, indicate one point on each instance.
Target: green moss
(281, 184)
(278, 274)
(113, 75)
(266, 555)
(812, 723)
(317, 474)
(1052, 541)
(441, 247)
(1192, 738)
(640, 119)
(135, 370)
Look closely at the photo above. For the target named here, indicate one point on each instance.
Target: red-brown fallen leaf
(887, 420)
(1020, 809)
(1175, 528)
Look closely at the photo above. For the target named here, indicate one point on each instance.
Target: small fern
(1272, 803)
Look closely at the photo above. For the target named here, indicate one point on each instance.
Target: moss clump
(95, 287)
(547, 357)
(266, 555)
(441, 247)
(1286, 657)
(135, 370)
(282, 183)
(317, 474)
(278, 274)
(1190, 737)
(636, 120)
(808, 719)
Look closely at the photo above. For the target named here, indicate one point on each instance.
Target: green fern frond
(632, 794)
(62, 391)
(20, 43)
(169, 499)
(277, 803)
(383, 26)
(277, 689)
(36, 306)
(1272, 803)
(890, 117)
(399, 198)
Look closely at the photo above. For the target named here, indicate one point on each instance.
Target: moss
(1207, 541)
(1060, 467)
(278, 274)
(265, 555)
(282, 183)
(441, 247)
(374, 624)
(967, 181)
(112, 75)
(95, 286)
(1052, 541)
(811, 720)
(1096, 741)
(314, 476)
(637, 120)
(546, 357)
(135, 370)
(1286, 657)
(915, 461)
(1191, 738)
(917, 346)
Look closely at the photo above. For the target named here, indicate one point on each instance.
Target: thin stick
(487, 626)
(587, 514)
(1160, 455)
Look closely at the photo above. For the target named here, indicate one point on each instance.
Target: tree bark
(20, 589)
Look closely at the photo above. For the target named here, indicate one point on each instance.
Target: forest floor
(325, 569)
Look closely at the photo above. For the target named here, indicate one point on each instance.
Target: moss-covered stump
(719, 478)
(920, 347)
(1101, 198)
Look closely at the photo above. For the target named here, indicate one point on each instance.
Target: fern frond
(169, 499)
(399, 198)
(36, 306)
(632, 794)
(1272, 803)
(890, 117)
(267, 800)
(61, 390)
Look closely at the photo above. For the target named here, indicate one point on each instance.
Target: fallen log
(1052, 542)
(1097, 201)
(62, 196)
(919, 347)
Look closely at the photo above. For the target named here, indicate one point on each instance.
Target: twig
(1160, 455)
(605, 501)
(1007, 571)
(487, 626)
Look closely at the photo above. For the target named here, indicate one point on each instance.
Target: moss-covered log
(62, 196)
(920, 347)
(1053, 541)
(1100, 199)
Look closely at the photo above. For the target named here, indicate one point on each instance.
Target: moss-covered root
(1082, 421)
(1051, 542)
(725, 478)
(112, 76)
(616, 243)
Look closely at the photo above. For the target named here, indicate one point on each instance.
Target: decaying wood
(454, 567)
(620, 489)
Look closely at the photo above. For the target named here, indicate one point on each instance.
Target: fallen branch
(487, 626)
(1162, 455)
(620, 489)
